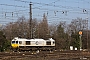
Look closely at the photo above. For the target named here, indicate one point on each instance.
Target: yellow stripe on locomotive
(14, 45)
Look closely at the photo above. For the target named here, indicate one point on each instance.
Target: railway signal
(80, 32)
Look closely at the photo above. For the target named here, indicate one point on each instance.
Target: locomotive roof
(23, 39)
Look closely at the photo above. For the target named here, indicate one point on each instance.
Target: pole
(80, 42)
(87, 32)
(30, 25)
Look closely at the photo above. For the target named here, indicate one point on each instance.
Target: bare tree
(43, 28)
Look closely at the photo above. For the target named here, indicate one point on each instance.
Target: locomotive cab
(14, 43)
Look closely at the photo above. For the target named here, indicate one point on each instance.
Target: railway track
(46, 55)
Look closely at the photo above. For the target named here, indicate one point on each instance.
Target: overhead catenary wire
(42, 4)
(47, 4)
(14, 5)
(62, 10)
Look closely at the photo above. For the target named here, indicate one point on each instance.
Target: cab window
(20, 42)
(53, 42)
(13, 41)
(48, 43)
(16, 42)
